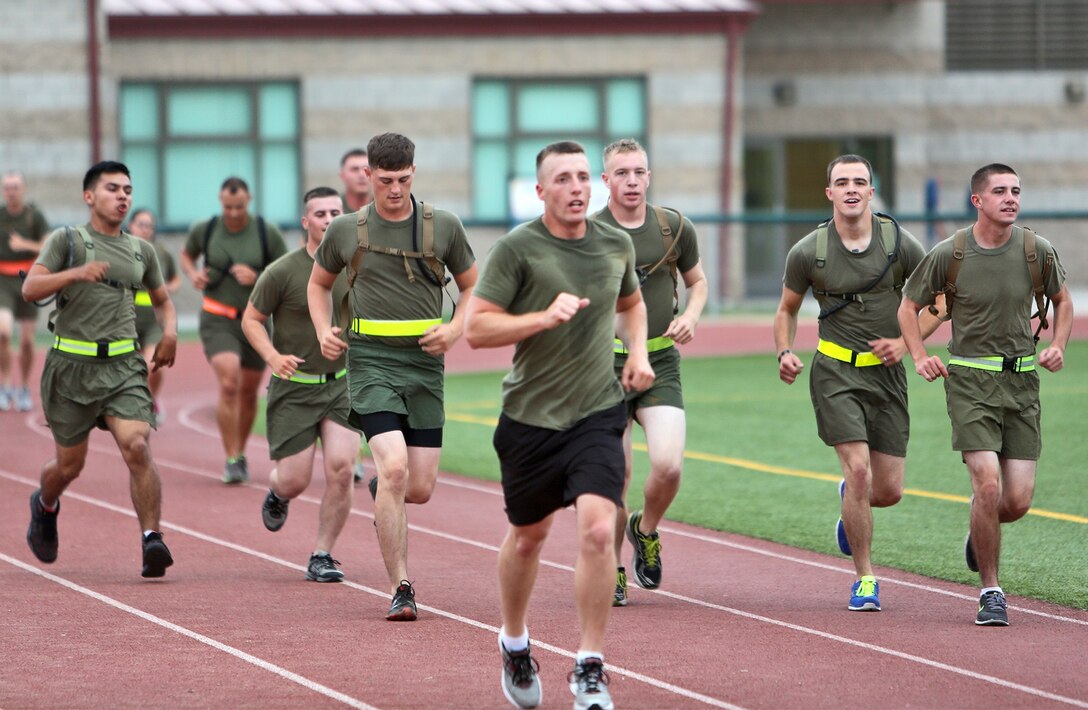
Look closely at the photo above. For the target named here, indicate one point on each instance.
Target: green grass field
(755, 466)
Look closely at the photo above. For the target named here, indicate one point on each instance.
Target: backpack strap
(890, 238)
(959, 248)
(436, 267)
(818, 282)
(1038, 279)
(208, 235)
(670, 256)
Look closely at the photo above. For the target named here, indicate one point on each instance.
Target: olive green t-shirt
(99, 311)
(225, 249)
(658, 289)
(280, 292)
(565, 374)
(382, 290)
(991, 311)
(30, 224)
(875, 315)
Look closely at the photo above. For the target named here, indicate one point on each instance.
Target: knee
(419, 493)
(885, 496)
(228, 389)
(987, 493)
(70, 469)
(599, 537)
(136, 450)
(1014, 507)
(394, 476)
(528, 546)
(667, 474)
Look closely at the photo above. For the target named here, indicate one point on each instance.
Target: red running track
(739, 623)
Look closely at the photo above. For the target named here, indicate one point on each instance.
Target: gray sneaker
(358, 472)
(322, 568)
(589, 683)
(520, 678)
(5, 399)
(23, 401)
(235, 472)
(274, 511)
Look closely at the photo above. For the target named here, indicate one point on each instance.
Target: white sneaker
(23, 400)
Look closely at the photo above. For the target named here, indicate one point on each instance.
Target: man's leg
(665, 429)
(144, 484)
(593, 572)
(857, 515)
(56, 475)
(27, 331)
(228, 373)
(292, 474)
(621, 511)
(519, 561)
(986, 485)
(1017, 489)
(391, 459)
(7, 323)
(250, 382)
(340, 446)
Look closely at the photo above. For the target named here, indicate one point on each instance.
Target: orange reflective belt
(220, 309)
(12, 268)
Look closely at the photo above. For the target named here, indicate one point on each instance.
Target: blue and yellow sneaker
(840, 529)
(865, 595)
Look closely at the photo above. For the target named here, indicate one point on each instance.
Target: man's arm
(253, 325)
(319, 298)
(1053, 356)
(440, 338)
(198, 277)
(893, 350)
(41, 282)
(167, 315)
(785, 330)
(490, 326)
(637, 374)
(928, 366)
(682, 328)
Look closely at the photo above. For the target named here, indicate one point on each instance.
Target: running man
(991, 384)
(665, 248)
(22, 230)
(94, 375)
(559, 287)
(855, 264)
(307, 395)
(236, 247)
(399, 248)
(354, 174)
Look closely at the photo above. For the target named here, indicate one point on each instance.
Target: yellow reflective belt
(996, 363)
(838, 352)
(308, 379)
(388, 328)
(653, 345)
(89, 348)
(143, 298)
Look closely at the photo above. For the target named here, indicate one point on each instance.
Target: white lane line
(170, 626)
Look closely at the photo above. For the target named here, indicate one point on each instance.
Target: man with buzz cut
(666, 250)
(95, 375)
(308, 394)
(354, 167)
(396, 251)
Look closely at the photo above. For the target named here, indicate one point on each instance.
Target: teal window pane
(558, 107)
(490, 110)
(278, 192)
(139, 112)
(208, 111)
(489, 180)
(192, 174)
(626, 108)
(279, 111)
(143, 164)
(525, 152)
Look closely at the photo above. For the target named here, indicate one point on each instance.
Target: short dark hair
(983, 174)
(849, 158)
(316, 192)
(105, 167)
(353, 153)
(558, 148)
(391, 151)
(233, 185)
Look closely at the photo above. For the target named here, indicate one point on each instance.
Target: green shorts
(148, 330)
(665, 391)
(860, 404)
(994, 411)
(224, 335)
(11, 297)
(408, 382)
(79, 392)
(295, 411)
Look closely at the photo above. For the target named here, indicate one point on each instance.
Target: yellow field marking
(794, 472)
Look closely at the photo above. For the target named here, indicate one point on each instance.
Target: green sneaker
(620, 597)
(647, 555)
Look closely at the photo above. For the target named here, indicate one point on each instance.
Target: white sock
(514, 643)
(148, 532)
(989, 589)
(584, 656)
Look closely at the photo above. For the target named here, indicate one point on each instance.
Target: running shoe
(322, 568)
(5, 399)
(589, 683)
(235, 471)
(646, 558)
(23, 401)
(840, 529)
(42, 533)
(992, 610)
(358, 472)
(865, 595)
(274, 511)
(403, 607)
(520, 679)
(620, 597)
(969, 554)
(372, 486)
(156, 556)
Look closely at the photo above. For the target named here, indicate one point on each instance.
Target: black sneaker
(41, 535)
(589, 683)
(372, 486)
(969, 554)
(357, 472)
(992, 610)
(520, 678)
(235, 472)
(403, 607)
(322, 568)
(156, 556)
(274, 511)
(646, 559)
